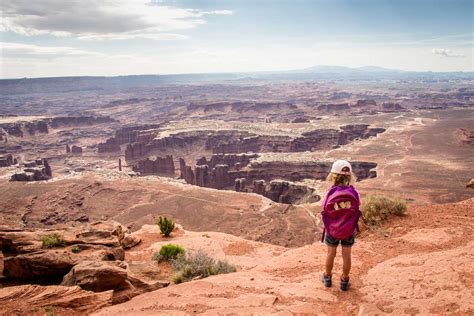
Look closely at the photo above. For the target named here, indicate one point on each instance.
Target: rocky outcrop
(37, 170)
(24, 299)
(254, 176)
(100, 276)
(63, 121)
(320, 139)
(155, 165)
(41, 125)
(127, 135)
(207, 138)
(391, 107)
(290, 193)
(234, 141)
(331, 107)
(233, 160)
(365, 103)
(25, 255)
(297, 171)
(300, 120)
(6, 160)
(77, 150)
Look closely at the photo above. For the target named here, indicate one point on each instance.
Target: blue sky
(118, 37)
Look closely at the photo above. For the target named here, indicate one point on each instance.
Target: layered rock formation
(365, 102)
(289, 193)
(42, 125)
(144, 133)
(392, 107)
(66, 300)
(91, 257)
(234, 141)
(155, 165)
(331, 107)
(257, 177)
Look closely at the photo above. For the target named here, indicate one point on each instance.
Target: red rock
(23, 299)
(155, 166)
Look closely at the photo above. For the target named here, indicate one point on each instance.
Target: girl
(340, 216)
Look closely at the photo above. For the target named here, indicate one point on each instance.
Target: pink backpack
(341, 212)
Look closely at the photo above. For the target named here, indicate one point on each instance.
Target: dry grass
(198, 265)
(377, 208)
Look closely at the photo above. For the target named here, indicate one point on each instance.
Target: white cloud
(18, 50)
(105, 19)
(446, 53)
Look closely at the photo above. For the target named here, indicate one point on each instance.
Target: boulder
(98, 276)
(26, 258)
(125, 281)
(130, 241)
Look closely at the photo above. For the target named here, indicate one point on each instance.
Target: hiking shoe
(327, 280)
(344, 283)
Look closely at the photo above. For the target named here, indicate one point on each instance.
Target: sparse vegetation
(166, 226)
(198, 265)
(76, 249)
(53, 240)
(48, 311)
(377, 208)
(168, 252)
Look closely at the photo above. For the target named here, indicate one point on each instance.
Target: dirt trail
(420, 263)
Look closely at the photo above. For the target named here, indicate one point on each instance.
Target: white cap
(341, 167)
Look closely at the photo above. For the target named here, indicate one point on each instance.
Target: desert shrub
(168, 252)
(377, 208)
(198, 265)
(48, 311)
(76, 249)
(166, 226)
(53, 240)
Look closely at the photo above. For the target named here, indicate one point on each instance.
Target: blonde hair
(341, 179)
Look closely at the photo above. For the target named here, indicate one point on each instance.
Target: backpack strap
(323, 235)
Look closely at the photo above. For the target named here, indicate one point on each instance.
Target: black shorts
(328, 240)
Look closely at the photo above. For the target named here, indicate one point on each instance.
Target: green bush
(76, 249)
(377, 208)
(198, 265)
(53, 240)
(166, 226)
(168, 252)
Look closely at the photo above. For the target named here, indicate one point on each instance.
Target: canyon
(240, 166)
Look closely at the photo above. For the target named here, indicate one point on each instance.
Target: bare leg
(346, 261)
(330, 259)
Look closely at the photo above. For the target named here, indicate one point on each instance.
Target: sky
(50, 38)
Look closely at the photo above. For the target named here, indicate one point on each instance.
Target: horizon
(160, 37)
(290, 71)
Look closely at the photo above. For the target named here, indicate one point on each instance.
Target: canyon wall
(142, 144)
(273, 179)
(157, 165)
(21, 128)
